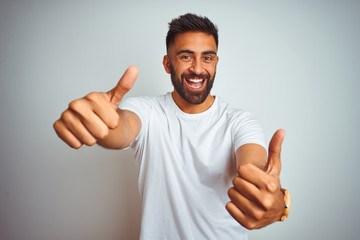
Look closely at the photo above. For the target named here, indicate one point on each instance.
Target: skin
(96, 118)
(255, 198)
(192, 53)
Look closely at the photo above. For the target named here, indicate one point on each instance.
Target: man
(194, 150)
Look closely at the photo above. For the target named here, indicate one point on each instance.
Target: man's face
(192, 61)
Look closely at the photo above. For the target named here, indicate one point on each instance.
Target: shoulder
(233, 113)
(143, 101)
(244, 125)
(146, 107)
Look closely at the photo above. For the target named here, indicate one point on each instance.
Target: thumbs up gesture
(96, 118)
(256, 199)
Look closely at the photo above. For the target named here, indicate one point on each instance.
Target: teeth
(195, 83)
(195, 80)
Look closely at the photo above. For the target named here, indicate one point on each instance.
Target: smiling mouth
(195, 83)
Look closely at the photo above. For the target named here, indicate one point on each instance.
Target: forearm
(253, 154)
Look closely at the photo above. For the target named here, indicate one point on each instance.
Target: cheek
(211, 69)
(182, 67)
(179, 70)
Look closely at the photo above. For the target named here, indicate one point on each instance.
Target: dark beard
(189, 96)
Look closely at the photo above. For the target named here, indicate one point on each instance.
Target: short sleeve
(247, 129)
(142, 108)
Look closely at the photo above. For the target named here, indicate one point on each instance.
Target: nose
(197, 66)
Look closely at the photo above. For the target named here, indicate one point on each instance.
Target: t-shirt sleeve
(247, 129)
(141, 107)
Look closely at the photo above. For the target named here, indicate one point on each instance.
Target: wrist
(287, 202)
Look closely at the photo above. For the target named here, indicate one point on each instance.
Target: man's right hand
(95, 118)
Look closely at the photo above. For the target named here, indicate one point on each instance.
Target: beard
(192, 97)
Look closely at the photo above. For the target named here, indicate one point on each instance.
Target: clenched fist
(96, 118)
(256, 199)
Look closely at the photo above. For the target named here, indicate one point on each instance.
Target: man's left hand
(256, 199)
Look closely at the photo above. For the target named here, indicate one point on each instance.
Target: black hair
(190, 23)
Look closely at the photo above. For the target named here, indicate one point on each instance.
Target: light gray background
(294, 64)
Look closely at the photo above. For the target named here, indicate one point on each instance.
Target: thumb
(125, 83)
(274, 160)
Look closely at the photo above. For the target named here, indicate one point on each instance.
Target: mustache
(193, 75)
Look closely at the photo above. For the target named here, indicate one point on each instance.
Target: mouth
(195, 83)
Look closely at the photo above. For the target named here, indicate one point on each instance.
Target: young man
(194, 150)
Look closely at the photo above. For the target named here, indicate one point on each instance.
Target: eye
(185, 58)
(208, 59)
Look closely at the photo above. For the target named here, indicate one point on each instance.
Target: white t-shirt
(186, 166)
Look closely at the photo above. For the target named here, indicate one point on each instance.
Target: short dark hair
(190, 23)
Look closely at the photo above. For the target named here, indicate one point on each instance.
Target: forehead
(195, 41)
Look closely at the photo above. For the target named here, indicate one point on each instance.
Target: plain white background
(294, 64)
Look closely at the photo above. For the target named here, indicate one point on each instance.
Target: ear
(166, 63)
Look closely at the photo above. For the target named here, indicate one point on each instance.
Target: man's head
(191, 59)
(190, 23)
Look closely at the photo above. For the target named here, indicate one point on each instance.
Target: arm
(253, 154)
(256, 199)
(96, 118)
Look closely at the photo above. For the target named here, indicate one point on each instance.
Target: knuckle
(103, 133)
(249, 225)
(244, 168)
(241, 169)
(93, 96)
(247, 165)
(258, 215)
(267, 203)
(272, 186)
(76, 105)
(124, 88)
(66, 116)
(114, 121)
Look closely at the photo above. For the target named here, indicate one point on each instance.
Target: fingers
(76, 131)
(257, 177)
(66, 135)
(254, 202)
(256, 199)
(96, 113)
(256, 185)
(91, 118)
(274, 159)
(247, 189)
(275, 143)
(124, 85)
(87, 120)
(241, 216)
(98, 104)
(249, 214)
(246, 206)
(74, 125)
(90, 123)
(236, 213)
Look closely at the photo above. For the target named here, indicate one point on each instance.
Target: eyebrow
(192, 52)
(208, 52)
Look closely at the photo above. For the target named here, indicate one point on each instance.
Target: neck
(192, 108)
